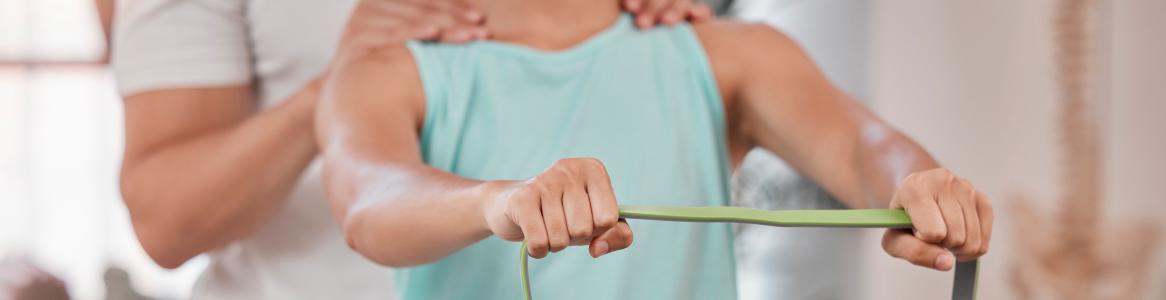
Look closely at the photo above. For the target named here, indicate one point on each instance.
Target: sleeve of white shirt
(163, 44)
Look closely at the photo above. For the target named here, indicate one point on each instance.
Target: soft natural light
(60, 145)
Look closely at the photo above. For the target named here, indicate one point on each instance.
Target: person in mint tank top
(439, 159)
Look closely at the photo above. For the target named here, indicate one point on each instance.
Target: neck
(547, 24)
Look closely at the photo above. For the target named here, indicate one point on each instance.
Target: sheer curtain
(60, 149)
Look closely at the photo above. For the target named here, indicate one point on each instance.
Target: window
(60, 149)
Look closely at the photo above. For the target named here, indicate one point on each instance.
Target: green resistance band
(964, 287)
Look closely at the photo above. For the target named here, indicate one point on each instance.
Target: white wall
(973, 82)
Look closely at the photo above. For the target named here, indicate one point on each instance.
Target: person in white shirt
(219, 147)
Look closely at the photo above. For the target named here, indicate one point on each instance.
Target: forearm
(409, 215)
(883, 157)
(201, 192)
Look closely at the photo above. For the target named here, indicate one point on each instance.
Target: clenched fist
(949, 215)
(570, 203)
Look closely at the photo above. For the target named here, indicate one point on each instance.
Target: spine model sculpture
(1071, 255)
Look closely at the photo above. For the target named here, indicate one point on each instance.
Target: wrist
(489, 197)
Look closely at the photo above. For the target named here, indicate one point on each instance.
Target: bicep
(183, 67)
(788, 106)
(368, 124)
(371, 109)
(154, 119)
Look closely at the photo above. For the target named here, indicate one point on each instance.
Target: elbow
(370, 246)
(159, 238)
(163, 249)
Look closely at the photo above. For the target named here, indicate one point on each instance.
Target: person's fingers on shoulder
(902, 244)
(453, 22)
(916, 197)
(411, 10)
(458, 9)
(458, 23)
(699, 12)
(652, 11)
(365, 44)
(676, 13)
(455, 35)
(617, 238)
(633, 6)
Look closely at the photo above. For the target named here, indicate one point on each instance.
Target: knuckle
(524, 195)
(912, 177)
(557, 245)
(971, 249)
(987, 204)
(537, 247)
(954, 241)
(563, 163)
(580, 232)
(931, 234)
(556, 172)
(949, 178)
(544, 187)
(595, 164)
(606, 221)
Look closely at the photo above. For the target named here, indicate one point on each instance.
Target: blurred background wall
(973, 81)
(60, 151)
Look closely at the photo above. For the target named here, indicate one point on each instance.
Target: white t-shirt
(278, 46)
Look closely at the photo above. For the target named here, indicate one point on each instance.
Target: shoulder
(729, 35)
(378, 82)
(742, 52)
(737, 50)
(742, 45)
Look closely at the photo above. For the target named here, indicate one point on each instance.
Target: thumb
(616, 238)
(902, 244)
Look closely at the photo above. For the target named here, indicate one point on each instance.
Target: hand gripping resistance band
(965, 272)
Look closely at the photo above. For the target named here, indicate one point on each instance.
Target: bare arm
(369, 134)
(201, 169)
(397, 211)
(780, 101)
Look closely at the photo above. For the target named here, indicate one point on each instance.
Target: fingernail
(944, 261)
(600, 248)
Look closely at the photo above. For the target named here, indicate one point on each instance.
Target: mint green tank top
(643, 102)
